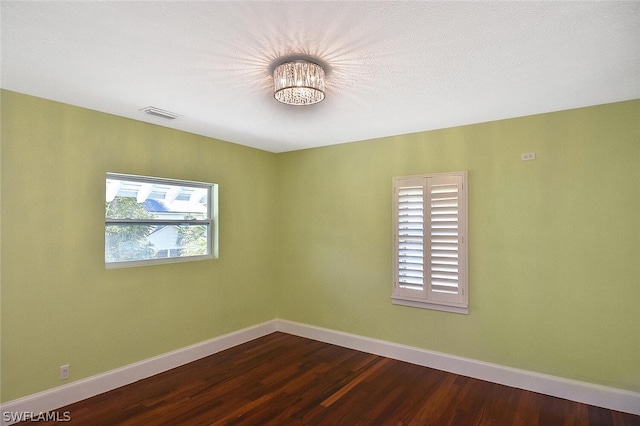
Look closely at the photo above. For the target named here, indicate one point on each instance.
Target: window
(430, 241)
(152, 220)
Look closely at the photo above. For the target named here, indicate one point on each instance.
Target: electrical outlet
(64, 372)
(528, 156)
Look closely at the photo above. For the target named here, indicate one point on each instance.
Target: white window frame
(211, 221)
(427, 285)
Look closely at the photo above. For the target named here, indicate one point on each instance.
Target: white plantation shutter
(445, 238)
(410, 240)
(430, 260)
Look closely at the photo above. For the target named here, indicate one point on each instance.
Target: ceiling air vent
(160, 113)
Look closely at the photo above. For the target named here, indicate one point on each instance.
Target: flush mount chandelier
(298, 82)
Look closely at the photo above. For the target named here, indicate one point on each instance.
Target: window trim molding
(422, 298)
(212, 213)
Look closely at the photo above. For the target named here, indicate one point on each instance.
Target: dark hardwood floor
(281, 379)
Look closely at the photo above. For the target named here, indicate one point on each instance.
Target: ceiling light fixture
(298, 82)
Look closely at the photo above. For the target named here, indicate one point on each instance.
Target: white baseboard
(52, 399)
(573, 390)
(61, 396)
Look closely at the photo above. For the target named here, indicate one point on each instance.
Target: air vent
(160, 113)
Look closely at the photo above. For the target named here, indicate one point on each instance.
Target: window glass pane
(127, 199)
(127, 242)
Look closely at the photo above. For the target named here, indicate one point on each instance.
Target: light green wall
(554, 245)
(59, 304)
(306, 236)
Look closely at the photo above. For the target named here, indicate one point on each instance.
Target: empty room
(320, 213)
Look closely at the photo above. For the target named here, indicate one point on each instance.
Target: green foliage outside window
(127, 242)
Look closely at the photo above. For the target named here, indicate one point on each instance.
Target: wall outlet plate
(64, 372)
(525, 156)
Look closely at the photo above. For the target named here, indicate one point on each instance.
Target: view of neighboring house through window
(154, 220)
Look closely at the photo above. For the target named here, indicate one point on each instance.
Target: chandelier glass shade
(298, 83)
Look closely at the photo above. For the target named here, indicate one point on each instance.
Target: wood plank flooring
(282, 379)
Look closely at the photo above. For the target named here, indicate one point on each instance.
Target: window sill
(456, 309)
(156, 261)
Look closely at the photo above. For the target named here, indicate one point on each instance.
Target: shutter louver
(444, 238)
(411, 238)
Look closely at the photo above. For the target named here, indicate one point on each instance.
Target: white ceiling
(392, 67)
